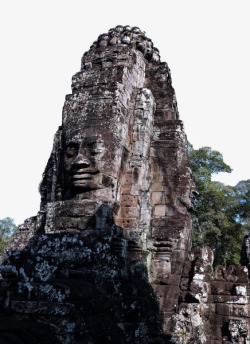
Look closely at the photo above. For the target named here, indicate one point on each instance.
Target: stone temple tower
(107, 258)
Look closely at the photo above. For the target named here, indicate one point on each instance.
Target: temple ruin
(108, 258)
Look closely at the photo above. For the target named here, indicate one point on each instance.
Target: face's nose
(81, 161)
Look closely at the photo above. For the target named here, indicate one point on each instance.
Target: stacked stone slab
(214, 304)
(107, 258)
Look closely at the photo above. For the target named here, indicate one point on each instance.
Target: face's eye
(71, 150)
(90, 143)
(95, 151)
(92, 146)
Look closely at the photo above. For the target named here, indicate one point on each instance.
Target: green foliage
(206, 162)
(220, 210)
(242, 195)
(7, 229)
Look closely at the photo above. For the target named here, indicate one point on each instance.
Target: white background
(205, 42)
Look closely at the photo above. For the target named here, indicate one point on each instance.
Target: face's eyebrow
(90, 142)
(72, 143)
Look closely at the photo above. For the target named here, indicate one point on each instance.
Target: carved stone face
(90, 162)
(82, 163)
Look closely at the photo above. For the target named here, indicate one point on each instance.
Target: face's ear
(45, 187)
(49, 182)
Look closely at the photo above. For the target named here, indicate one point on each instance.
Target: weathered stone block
(184, 283)
(128, 223)
(160, 270)
(222, 309)
(157, 198)
(160, 210)
(129, 201)
(129, 212)
(157, 187)
(66, 222)
(222, 288)
(240, 311)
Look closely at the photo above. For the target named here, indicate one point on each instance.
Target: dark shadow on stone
(79, 287)
(244, 256)
(14, 331)
(189, 298)
(225, 333)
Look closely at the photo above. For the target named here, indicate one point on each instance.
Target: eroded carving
(82, 162)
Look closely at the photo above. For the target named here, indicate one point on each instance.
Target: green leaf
(7, 230)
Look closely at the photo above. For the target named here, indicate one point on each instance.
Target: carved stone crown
(127, 35)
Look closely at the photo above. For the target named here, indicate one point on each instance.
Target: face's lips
(84, 170)
(82, 174)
